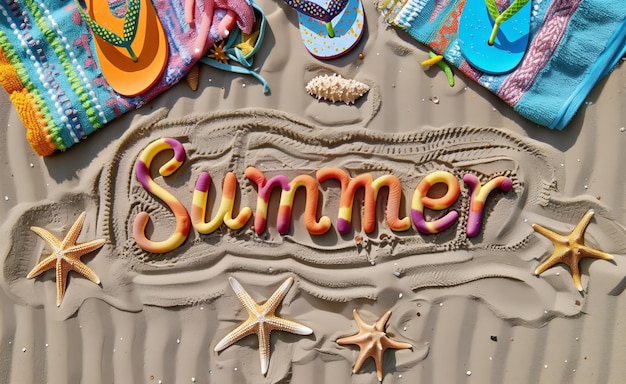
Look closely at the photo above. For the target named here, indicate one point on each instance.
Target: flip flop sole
(348, 26)
(125, 76)
(511, 42)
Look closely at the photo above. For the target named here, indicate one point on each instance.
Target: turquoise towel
(573, 45)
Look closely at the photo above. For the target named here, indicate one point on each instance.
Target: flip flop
(132, 51)
(329, 28)
(494, 42)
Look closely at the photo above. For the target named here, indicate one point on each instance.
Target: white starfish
(261, 320)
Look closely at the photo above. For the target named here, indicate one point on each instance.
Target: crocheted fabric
(573, 44)
(49, 67)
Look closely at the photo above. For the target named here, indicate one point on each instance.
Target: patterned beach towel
(49, 66)
(573, 44)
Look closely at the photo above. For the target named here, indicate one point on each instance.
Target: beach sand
(471, 307)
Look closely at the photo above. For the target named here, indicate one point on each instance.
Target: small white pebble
(468, 373)
(193, 379)
(441, 304)
(6, 198)
(622, 129)
(396, 274)
(177, 341)
(23, 349)
(545, 366)
(400, 296)
(236, 369)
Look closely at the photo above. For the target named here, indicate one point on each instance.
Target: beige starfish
(66, 256)
(570, 249)
(373, 341)
(261, 320)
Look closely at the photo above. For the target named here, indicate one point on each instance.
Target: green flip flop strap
(131, 18)
(500, 18)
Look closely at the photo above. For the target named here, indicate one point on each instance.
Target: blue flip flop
(329, 28)
(494, 42)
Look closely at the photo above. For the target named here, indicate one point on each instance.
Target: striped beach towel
(49, 67)
(573, 44)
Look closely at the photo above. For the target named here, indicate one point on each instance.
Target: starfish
(218, 53)
(247, 45)
(66, 255)
(373, 341)
(570, 249)
(261, 320)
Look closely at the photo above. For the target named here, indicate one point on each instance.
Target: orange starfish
(372, 341)
(570, 249)
(218, 53)
(66, 256)
(261, 320)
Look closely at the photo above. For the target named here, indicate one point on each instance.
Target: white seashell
(335, 88)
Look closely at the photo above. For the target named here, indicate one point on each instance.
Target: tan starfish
(570, 249)
(261, 320)
(66, 256)
(373, 341)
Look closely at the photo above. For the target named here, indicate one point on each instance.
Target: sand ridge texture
(471, 307)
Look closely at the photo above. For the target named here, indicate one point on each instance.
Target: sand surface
(471, 307)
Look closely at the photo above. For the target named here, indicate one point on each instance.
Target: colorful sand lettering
(421, 200)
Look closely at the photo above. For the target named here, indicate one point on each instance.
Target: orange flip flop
(132, 50)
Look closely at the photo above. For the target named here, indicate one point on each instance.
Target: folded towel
(573, 44)
(49, 66)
